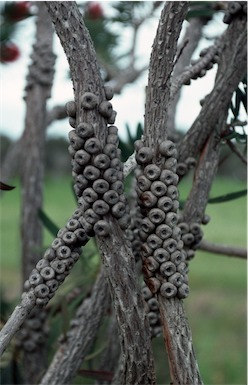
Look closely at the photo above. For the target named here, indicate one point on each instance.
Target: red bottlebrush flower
(17, 10)
(9, 52)
(94, 10)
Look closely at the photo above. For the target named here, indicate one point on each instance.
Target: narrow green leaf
(48, 223)
(228, 197)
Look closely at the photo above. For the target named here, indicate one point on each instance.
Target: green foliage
(127, 147)
(203, 9)
(228, 197)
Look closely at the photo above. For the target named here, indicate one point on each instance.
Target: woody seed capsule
(101, 161)
(144, 155)
(106, 109)
(71, 108)
(63, 252)
(158, 188)
(89, 101)
(91, 172)
(152, 171)
(167, 148)
(161, 255)
(101, 228)
(92, 146)
(168, 290)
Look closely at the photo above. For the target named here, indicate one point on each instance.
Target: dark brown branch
(231, 251)
(138, 366)
(231, 71)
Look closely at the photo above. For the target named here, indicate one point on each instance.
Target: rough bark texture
(138, 366)
(39, 83)
(231, 71)
(80, 337)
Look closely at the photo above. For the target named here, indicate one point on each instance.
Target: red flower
(94, 10)
(9, 52)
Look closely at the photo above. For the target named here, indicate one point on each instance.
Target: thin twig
(231, 251)
(236, 151)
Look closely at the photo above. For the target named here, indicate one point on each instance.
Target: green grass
(216, 307)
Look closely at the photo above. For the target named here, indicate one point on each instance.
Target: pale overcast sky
(129, 105)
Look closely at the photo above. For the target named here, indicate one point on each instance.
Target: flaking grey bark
(138, 366)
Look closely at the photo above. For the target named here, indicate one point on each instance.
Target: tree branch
(231, 251)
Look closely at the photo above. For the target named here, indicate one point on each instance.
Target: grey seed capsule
(35, 279)
(63, 252)
(151, 264)
(118, 210)
(205, 220)
(138, 144)
(78, 191)
(163, 231)
(82, 237)
(118, 186)
(153, 318)
(177, 257)
(91, 216)
(101, 161)
(61, 277)
(147, 294)
(69, 263)
(112, 138)
(52, 284)
(176, 233)
(109, 93)
(101, 228)
(83, 204)
(190, 254)
(182, 169)
(152, 171)
(124, 221)
(169, 177)
(40, 302)
(171, 219)
(113, 130)
(100, 186)
(190, 162)
(76, 167)
(82, 181)
(90, 195)
(89, 101)
(71, 151)
(142, 235)
(69, 238)
(184, 227)
(153, 283)
(143, 183)
(117, 164)
(100, 207)
(147, 226)
(172, 192)
(161, 255)
(171, 164)
(183, 291)
(170, 245)
(49, 254)
(72, 122)
(106, 109)
(182, 268)
(58, 267)
(156, 216)
(61, 232)
(195, 228)
(71, 108)
(85, 130)
(72, 224)
(92, 146)
(41, 291)
(42, 263)
(75, 256)
(57, 242)
(165, 203)
(110, 175)
(75, 141)
(148, 199)
(82, 157)
(146, 272)
(167, 268)
(26, 285)
(110, 150)
(91, 172)
(234, 7)
(111, 197)
(158, 188)
(154, 241)
(47, 273)
(176, 279)
(167, 148)
(146, 250)
(153, 304)
(168, 290)
(144, 155)
(188, 239)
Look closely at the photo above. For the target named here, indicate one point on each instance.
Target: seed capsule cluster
(191, 235)
(234, 9)
(97, 171)
(182, 168)
(57, 261)
(164, 260)
(33, 332)
(152, 310)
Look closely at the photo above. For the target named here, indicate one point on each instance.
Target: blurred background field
(216, 307)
